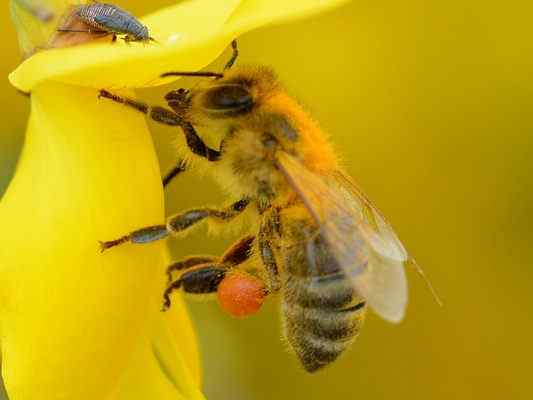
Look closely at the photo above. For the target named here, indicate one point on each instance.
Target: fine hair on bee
(105, 19)
(315, 239)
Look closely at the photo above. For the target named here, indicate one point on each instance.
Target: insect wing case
(362, 242)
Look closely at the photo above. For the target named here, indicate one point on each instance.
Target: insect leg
(206, 278)
(236, 254)
(201, 280)
(194, 142)
(176, 224)
(187, 263)
(178, 169)
(137, 105)
(181, 222)
(197, 145)
(143, 235)
(266, 232)
(168, 117)
(234, 55)
(239, 251)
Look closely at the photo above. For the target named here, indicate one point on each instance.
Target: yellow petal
(74, 321)
(190, 35)
(77, 324)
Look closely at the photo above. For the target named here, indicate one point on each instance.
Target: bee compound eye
(229, 98)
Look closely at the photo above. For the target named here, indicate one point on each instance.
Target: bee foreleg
(194, 142)
(180, 222)
(197, 145)
(137, 105)
(198, 281)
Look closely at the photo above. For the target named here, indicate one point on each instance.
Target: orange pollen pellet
(241, 294)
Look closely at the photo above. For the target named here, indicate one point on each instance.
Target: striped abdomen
(321, 312)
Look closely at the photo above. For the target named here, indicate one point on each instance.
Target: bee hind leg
(201, 280)
(188, 263)
(203, 274)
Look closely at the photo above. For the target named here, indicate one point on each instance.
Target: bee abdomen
(322, 317)
(330, 292)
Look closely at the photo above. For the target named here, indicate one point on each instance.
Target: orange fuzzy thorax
(314, 147)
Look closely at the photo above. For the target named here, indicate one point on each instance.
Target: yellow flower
(75, 323)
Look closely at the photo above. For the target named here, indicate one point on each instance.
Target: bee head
(235, 93)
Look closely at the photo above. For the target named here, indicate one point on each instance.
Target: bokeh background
(430, 106)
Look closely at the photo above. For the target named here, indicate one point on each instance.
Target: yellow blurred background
(429, 104)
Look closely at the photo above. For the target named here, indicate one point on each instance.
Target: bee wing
(36, 21)
(360, 239)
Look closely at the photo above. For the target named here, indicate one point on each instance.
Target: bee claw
(103, 246)
(112, 243)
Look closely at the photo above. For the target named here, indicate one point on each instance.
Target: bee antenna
(206, 74)
(422, 274)
(198, 74)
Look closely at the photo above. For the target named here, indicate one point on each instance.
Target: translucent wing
(361, 241)
(36, 21)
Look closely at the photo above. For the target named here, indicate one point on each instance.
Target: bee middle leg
(178, 223)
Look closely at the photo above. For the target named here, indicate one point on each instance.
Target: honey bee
(316, 239)
(47, 24)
